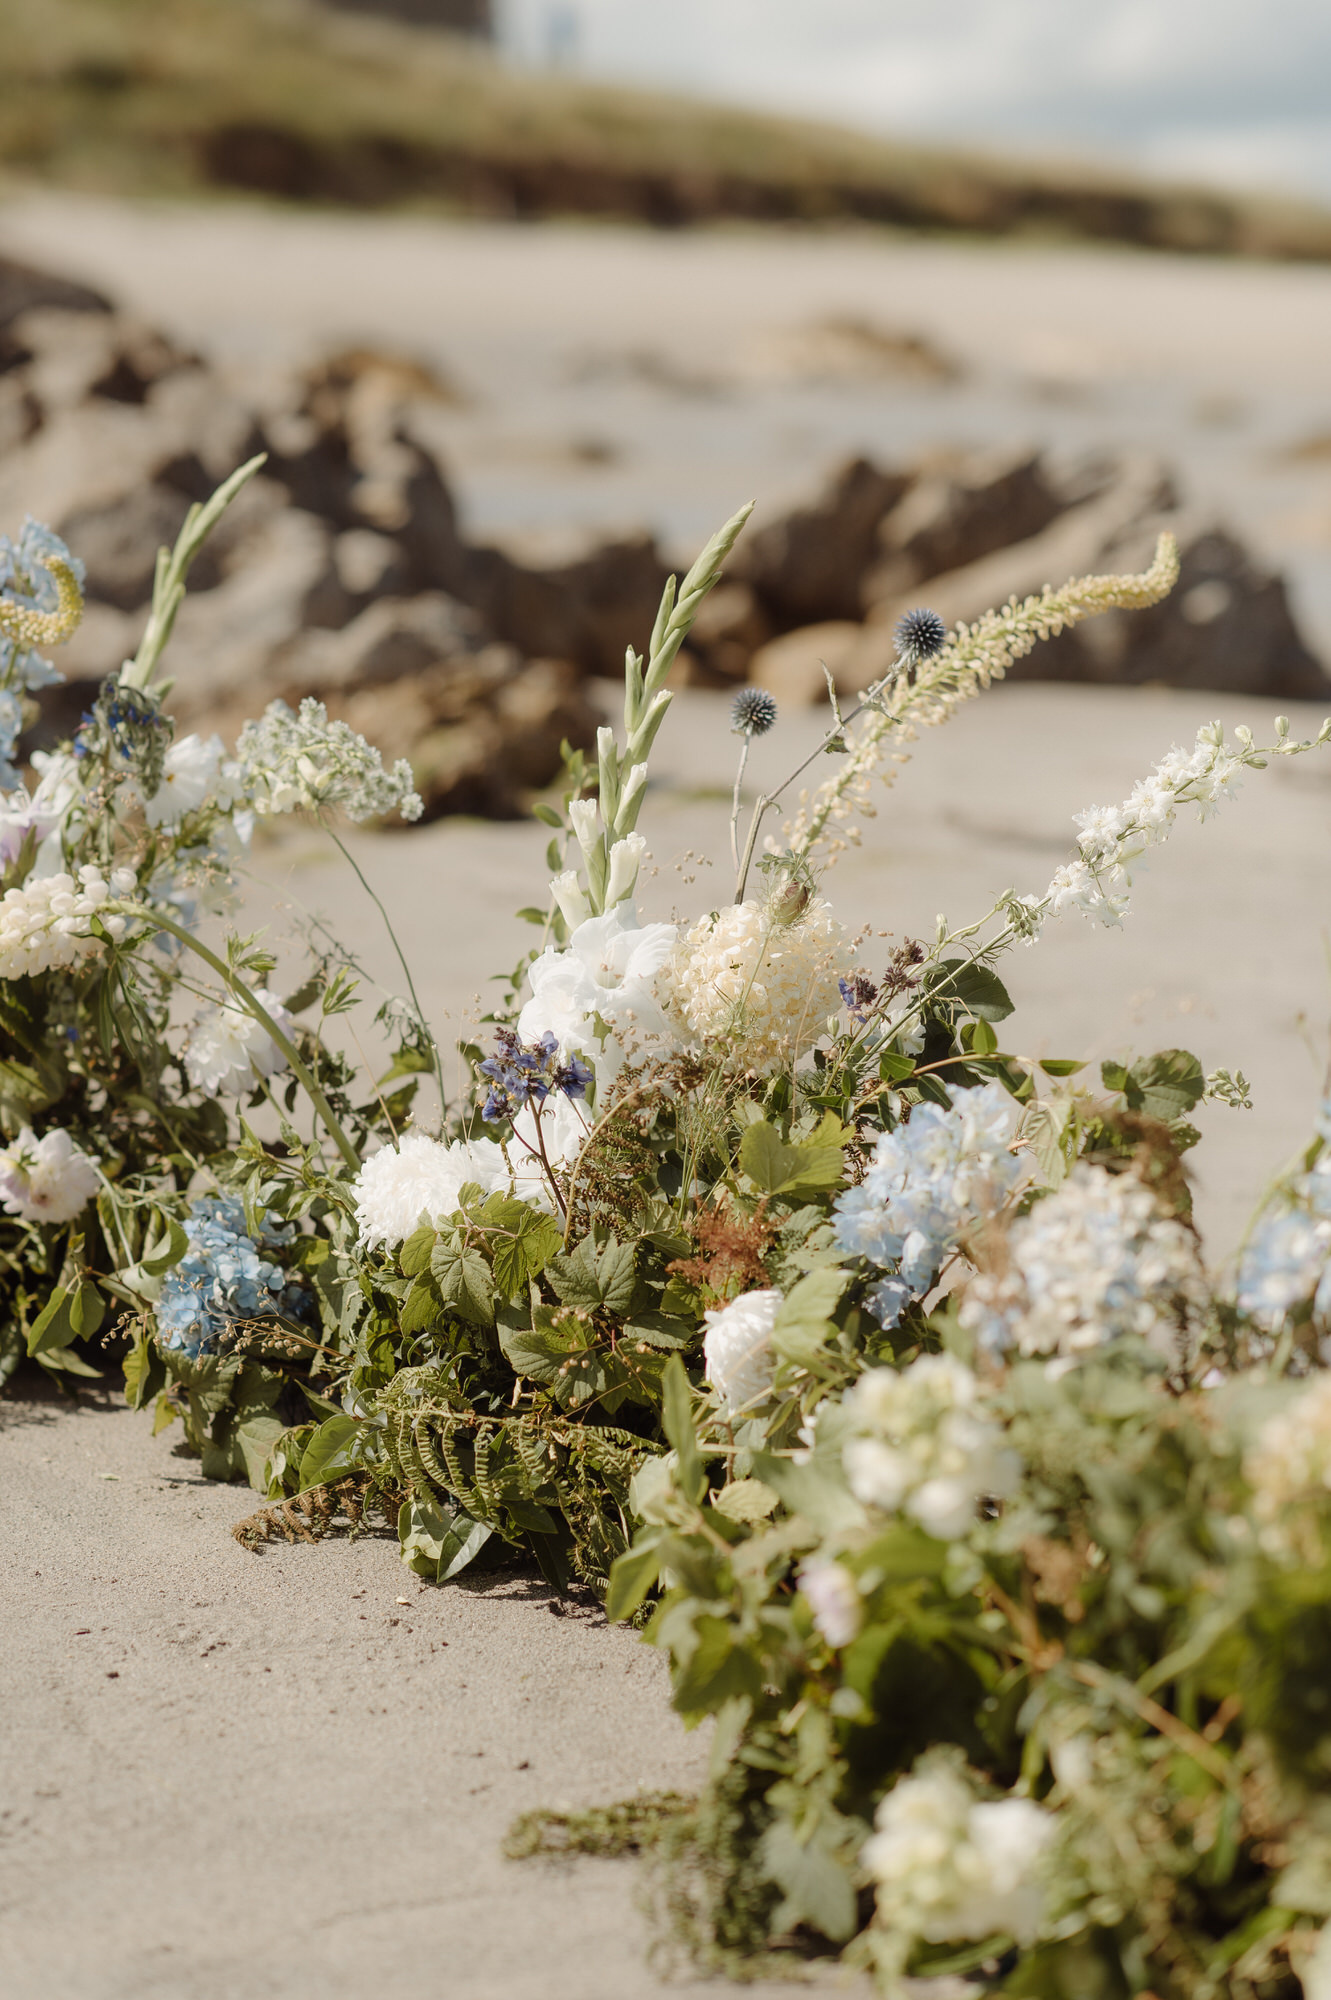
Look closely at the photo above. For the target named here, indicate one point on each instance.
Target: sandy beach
(211, 1779)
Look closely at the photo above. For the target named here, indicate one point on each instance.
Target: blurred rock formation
(342, 571)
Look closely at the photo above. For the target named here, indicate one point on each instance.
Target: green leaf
(980, 1038)
(591, 1278)
(87, 1310)
(803, 1324)
(464, 1280)
(462, 1544)
(893, 1068)
(414, 1256)
(776, 1168)
(817, 1888)
(332, 1451)
(1165, 1085)
(746, 1500)
(422, 1308)
(157, 1262)
(1060, 1066)
(971, 988)
(51, 1330)
(255, 1439)
(144, 1373)
(523, 1252)
(677, 1422)
(547, 815)
(539, 1352)
(437, 1542)
(716, 1670)
(631, 1577)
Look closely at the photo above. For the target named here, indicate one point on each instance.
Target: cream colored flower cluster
(46, 926)
(753, 990)
(1290, 1463)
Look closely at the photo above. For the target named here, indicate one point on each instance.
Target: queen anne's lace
(47, 926)
(302, 762)
(753, 990)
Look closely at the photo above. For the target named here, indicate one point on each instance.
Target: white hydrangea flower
(193, 771)
(834, 1599)
(46, 1179)
(921, 1445)
(608, 971)
(754, 989)
(304, 763)
(737, 1349)
(949, 1867)
(420, 1176)
(1095, 1261)
(229, 1051)
(46, 926)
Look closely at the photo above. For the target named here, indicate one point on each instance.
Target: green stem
(347, 855)
(243, 993)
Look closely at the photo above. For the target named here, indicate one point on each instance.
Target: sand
(212, 1782)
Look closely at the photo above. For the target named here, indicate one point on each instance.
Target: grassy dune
(279, 97)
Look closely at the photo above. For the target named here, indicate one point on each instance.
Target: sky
(1236, 92)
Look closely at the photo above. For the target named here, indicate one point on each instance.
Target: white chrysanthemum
(419, 1178)
(949, 1867)
(922, 1445)
(46, 1179)
(193, 772)
(46, 926)
(229, 1051)
(738, 1349)
(753, 988)
(834, 1599)
(608, 974)
(1093, 1262)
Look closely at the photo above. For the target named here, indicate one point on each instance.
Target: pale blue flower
(222, 1280)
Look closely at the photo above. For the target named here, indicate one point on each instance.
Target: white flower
(1093, 1262)
(738, 1349)
(571, 897)
(834, 1599)
(562, 1134)
(607, 973)
(229, 1051)
(419, 1178)
(304, 762)
(46, 1179)
(756, 990)
(1315, 1972)
(47, 925)
(193, 772)
(949, 1867)
(43, 813)
(625, 861)
(922, 1445)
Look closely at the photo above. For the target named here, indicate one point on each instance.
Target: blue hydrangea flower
(1286, 1262)
(928, 1184)
(222, 1280)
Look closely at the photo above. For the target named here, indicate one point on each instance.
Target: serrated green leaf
(719, 1668)
(539, 1352)
(1165, 1085)
(414, 1256)
(464, 1280)
(591, 1278)
(746, 1500)
(776, 1168)
(817, 1887)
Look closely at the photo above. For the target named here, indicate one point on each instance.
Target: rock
(845, 349)
(118, 542)
(392, 639)
(791, 667)
(809, 566)
(730, 627)
(950, 518)
(24, 290)
(588, 605)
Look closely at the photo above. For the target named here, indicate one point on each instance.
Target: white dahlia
(420, 1179)
(738, 1349)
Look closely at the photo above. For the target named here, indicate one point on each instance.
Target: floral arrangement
(873, 1367)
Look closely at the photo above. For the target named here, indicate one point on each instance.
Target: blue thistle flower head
(752, 712)
(920, 634)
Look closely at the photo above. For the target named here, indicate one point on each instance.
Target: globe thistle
(753, 712)
(919, 635)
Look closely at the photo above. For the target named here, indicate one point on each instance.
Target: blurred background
(523, 297)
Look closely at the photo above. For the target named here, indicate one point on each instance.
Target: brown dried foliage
(312, 1515)
(731, 1248)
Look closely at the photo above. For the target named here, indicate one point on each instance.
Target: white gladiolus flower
(949, 1867)
(229, 1051)
(585, 819)
(607, 972)
(192, 772)
(571, 897)
(46, 1179)
(738, 1349)
(834, 1599)
(625, 861)
(47, 925)
(922, 1445)
(419, 1178)
(754, 989)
